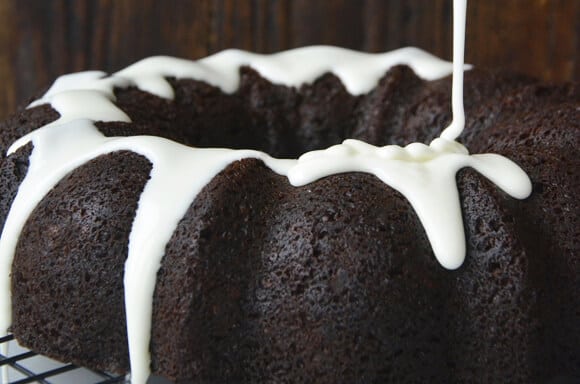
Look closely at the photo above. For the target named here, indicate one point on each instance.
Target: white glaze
(453, 131)
(425, 175)
(286, 68)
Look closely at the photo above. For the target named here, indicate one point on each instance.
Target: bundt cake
(128, 225)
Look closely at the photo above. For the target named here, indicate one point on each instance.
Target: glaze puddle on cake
(424, 174)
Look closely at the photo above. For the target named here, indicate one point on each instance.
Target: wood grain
(41, 40)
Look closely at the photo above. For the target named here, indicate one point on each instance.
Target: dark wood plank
(41, 40)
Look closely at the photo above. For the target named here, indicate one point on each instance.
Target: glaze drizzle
(424, 174)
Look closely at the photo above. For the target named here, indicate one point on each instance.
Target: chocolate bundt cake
(345, 266)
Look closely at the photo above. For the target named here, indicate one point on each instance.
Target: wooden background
(41, 39)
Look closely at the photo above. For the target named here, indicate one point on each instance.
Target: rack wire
(23, 370)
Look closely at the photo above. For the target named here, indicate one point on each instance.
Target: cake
(338, 278)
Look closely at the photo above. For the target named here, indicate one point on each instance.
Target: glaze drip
(424, 174)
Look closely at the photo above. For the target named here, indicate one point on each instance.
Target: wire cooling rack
(25, 366)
